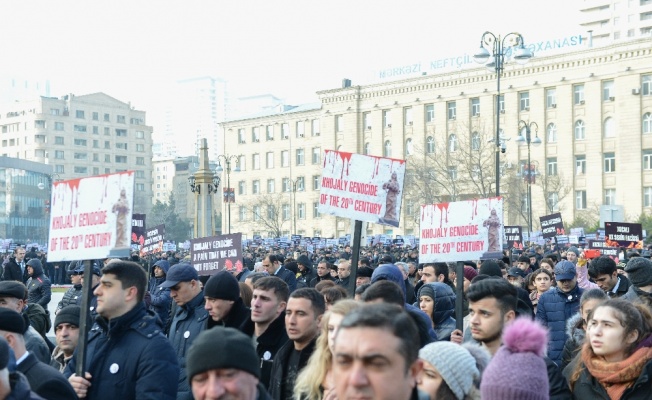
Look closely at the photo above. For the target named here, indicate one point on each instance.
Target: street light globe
(41, 185)
(522, 55)
(481, 56)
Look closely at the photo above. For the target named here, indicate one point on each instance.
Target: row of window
(299, 129)
(59, 126)
(285, 158)
(95, 116)
(287, 185)
(271, 212)
(60, 155)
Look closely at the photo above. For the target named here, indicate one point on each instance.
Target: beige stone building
(593, 109)
(81, 136)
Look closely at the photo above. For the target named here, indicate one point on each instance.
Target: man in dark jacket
(73, 294)
(95, 282)
(302, 317)
(267, 322)
(15, 268)
(343, 273)
(128, 357)
(273, 266)
(39, 288)
(323, 273)
(13, 385)
(306, 272)
(43, 379)
(604, 273)
(223, 302)
(189, 319)
(160, 300)
(557, 305)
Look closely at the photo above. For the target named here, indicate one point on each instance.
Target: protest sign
(90, 217)
(623, 234)
(363, 188)
(212, 254)
(153, 240)
(603, 247)
(514, 237)
(463, 230)
(138, 229)
(552, 225)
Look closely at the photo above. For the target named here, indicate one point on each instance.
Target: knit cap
(222, 285)
(491, 268)
(470, 273)
(518, 370)
(219, 348)
(639, 271)
(68, 315)
(454, 363)
(574, 249)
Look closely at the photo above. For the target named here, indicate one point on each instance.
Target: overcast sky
(133, 50)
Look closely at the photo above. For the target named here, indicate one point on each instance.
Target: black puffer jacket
(39, 289)
(70, 297)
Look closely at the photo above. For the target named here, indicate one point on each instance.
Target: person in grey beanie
(639, 272)
(223, 362)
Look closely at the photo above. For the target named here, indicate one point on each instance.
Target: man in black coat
(273, 266)
(15, 268)
(223, 302)
(43, 379)
(323, 273)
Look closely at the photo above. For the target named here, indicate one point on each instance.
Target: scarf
(616, 377)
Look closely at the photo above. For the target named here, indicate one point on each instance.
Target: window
(387, 119)
(54, 111)
(79, 114)
(140, 148)
(452, 110)
(121, 146)
(525, 205)
(256, 213)
(609, 128)
(430, 113)
(452, 143)
(501, 103)
(316, 155)
(241, 136)
(58, 126)
(315, 127)
(580, 165)
(407, 116)
(551, 131)
(255, 187)
(96, 116)
(81, 170)
(430, 145)
(242, 188)
(107, 118)
(301, 210)
(107, 144)
(609, 162)
(285, 158)
(367, 149)
(269, 159)
(387, 149)
(285, 212)
(59, 169)
(255, 161)
(580, 130)
(96, 171)
(271, 185)
(316, 182)
(139, 174)
(524, 101)
(551, 98)
(609, 197)
(647, 123)
(140, 160)
(271, 211)
(578, 94)
(58, 140)
(580, 199)
(300, 129)
(255, 134)
(121, 119)
(242, 213)
(107, 131)
(269, 132)
(300, 184)
(96, 130)
(409, 148)
(475, 141)
(647, 160)
(121, 159)
(475, 107)
(608, 90)
(339, 123)
(300, 157)
(80, 156)
(553, 201)
(285, 131)
(646, 85)
(452, 173)
(107, 158)
(315, 210)
(79, 128)
(242, 163)
(58, 154)
(286, 185)
(552, 166)
(80, 142)
(121, 132)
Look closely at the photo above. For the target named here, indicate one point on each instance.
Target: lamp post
(527, 139)
(294, 183)
(227, 161)
(494, 61)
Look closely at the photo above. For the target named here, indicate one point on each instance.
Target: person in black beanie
(66, 330)
(224, 351)
(639, 272)
(223, 302)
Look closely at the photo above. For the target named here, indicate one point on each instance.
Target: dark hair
(441, 268)
(246, 293)
(601, 265)
(504, 293)
(548, 261)
(592, 294)
(390, 292)
(541, 271)
(317, 301)
(362, 288)
(390, 318)
(292, 266)
(444, 392)
(129, 274)
(334, 293)
(323, 285)
(255, 276)
(324, 261)
(281, 289)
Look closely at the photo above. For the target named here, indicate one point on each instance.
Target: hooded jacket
(573, 344)
(554, 309)
(160, 300)
(443, 309)
(38, 286)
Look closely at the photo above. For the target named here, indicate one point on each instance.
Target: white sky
(133, 49)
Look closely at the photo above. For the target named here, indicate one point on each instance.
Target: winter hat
(639, 271)
(13, 289)
(470, 273)
(365, 272)
(482, 359)
(458, 375)
(11, 321)
(491, 268)
(35, 263)
(518, 370)
(222, 285)
(221, 347)
(426, 290)
(573, 249)
(68, 315)
(304, 260)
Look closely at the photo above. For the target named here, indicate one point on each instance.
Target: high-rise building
(81, 136)
(614, 20)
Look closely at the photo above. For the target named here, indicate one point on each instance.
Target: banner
(229, 195)
(514, 237)
(210, 255)
(138, 229)
(362, 188)
(463, 230)
(552, 225)
(90, 218)
(153, 240)
(623, 234)
(604, 248)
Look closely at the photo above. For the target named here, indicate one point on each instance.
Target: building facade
(592, 107)
(81, 136)
(616, 20)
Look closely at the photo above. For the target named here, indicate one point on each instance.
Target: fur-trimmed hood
(574, 329)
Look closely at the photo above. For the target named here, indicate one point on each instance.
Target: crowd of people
(546, 324)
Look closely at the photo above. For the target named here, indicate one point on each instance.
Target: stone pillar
(204, 216)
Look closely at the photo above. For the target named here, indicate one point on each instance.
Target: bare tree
(267, 212)
(554, 184)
